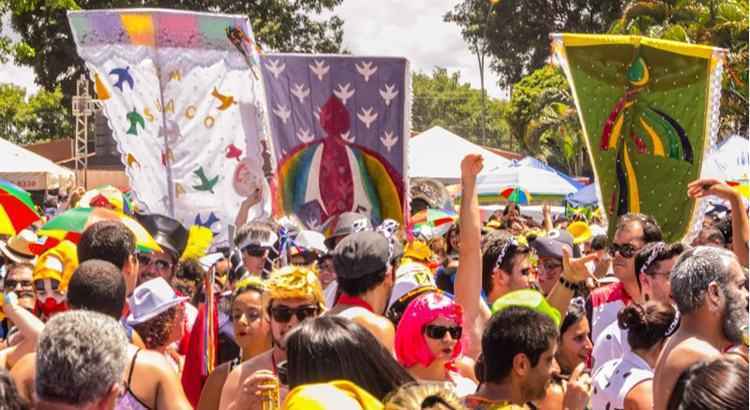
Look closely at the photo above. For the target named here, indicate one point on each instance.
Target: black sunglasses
(627, 250)
(438, 332)
(145, 260)
(283, 314)
(11, 284)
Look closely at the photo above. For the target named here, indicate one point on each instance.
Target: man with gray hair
(80, 361)
(710, 289)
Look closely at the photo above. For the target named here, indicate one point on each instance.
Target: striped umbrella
(16, 209)
(106, 196)
(516, 195)
(432, 222)
(71, 224)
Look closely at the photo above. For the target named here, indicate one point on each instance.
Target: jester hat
(57, 263)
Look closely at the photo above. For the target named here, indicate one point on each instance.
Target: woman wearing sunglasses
(428, 343)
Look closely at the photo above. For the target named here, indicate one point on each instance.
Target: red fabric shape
(192, 373)
(345, 299)
(335, 184)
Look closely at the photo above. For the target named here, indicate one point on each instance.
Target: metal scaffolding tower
(84, 106)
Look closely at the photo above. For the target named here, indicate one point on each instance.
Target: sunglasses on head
(438, 332)
(283, 314)
(627, 250)
(145, 260)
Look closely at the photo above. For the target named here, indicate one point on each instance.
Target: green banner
(649, 110)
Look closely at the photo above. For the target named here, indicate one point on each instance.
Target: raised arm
(468, 284)
(740, 224)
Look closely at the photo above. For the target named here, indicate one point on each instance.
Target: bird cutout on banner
(135, 120)
(343, 92)
(171, 131)
(305, 136)
(167, 156)
(209, 222)
(346, 136)
(388, 94)
(123, 76)
(633, 119)
(131, 160)
(389, 140)
(179, 190)
(282, 112)
(366, 70)
(207, 184)
(300, 92)
(225, 101)
(232, 152)
(175, 75)
(101, 90)
(274, 67)
(320, 69)
(367, 116)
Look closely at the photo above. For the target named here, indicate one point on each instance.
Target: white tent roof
(731, 161)
(31, 171)
(437, 153)
(532, 179)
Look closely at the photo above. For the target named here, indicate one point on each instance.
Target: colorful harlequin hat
(291, 282)
(527, 298)
(58, 263)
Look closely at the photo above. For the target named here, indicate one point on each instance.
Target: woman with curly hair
(158, 316)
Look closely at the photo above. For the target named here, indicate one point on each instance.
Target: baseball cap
(361, 254)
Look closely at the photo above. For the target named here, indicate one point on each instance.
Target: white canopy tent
(31, 171)
(534, 180)
(730, 161)
(437, 153)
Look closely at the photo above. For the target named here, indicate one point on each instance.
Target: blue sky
(410, 28)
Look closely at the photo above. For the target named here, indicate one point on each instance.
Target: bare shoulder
(690, 351)
(23, 374)
(640, 397)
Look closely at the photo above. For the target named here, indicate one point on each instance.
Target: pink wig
(411, 347)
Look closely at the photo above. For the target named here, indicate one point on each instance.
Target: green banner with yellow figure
(649, 110)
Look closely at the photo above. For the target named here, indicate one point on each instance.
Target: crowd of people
(510, 313)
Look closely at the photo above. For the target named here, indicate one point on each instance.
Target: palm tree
(555, 135)
(718, 23)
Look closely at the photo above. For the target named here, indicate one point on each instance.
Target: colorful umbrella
(433, 222)
(106, 196)
(16, 209)
(516, 195)
(71, 224)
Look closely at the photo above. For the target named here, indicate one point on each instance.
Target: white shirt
(616, 378)
(612, 343)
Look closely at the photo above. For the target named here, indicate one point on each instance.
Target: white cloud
(413, 29)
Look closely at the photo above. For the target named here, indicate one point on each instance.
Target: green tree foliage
(47, 45)
(441, 99)
(712, 22)
(517, 31)
(544, 121)
(36, 118)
